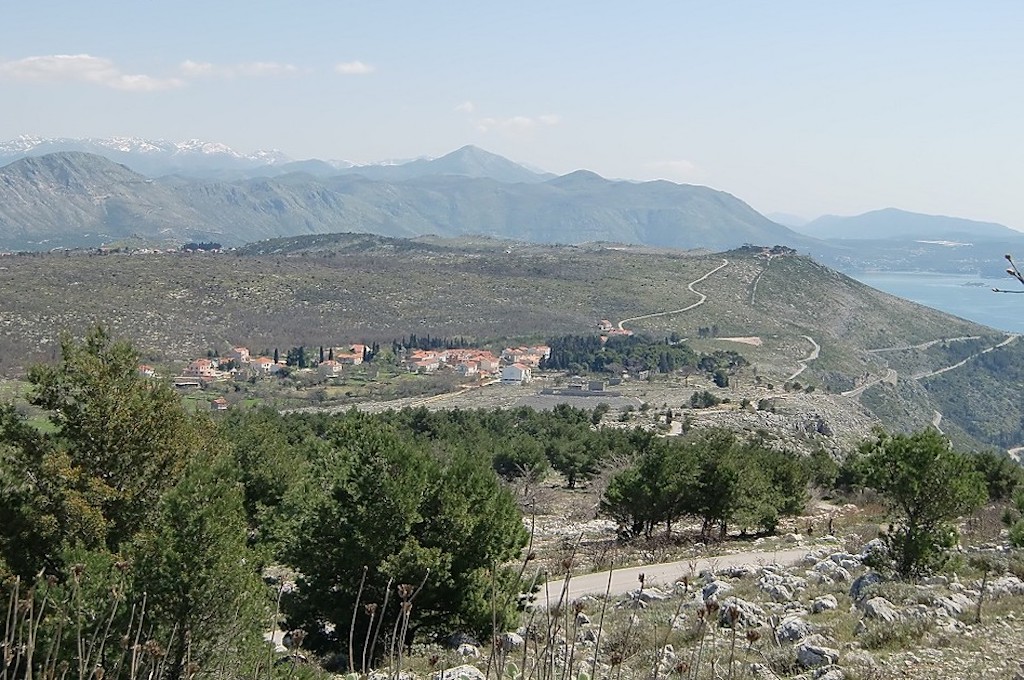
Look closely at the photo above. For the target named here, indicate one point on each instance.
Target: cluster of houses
(339, 358)
(513, 366)
(239, 359)
(467, 362)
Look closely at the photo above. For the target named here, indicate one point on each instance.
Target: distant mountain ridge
(898, 240)
(74, 199)
(213, 160)
(895, 224)
(149, 157)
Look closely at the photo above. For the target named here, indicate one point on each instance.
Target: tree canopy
(713, 477)
(928, 485)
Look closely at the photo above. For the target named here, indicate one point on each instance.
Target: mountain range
(81, 199)
(897, 240)
(90, 192)
(149, 157)
(892, 224)
(213, 160)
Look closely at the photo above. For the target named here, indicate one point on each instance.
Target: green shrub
(928, 485)
(896, 636)
(1017, 534)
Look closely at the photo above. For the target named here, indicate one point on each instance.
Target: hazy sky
(802, 107)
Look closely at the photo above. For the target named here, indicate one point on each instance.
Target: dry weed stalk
(352, 626)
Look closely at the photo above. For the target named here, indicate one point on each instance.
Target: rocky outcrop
(811, 655)
(880, 609)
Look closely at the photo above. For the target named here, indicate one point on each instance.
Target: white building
(515, 374)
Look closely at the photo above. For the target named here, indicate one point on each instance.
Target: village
(465, 365)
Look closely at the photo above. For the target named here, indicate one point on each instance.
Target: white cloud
(353, 68)
(517, 123)
(465, 107)
(82, 68)
(253, 69)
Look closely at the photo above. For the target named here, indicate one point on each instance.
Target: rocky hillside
(825, 617)
(76, 199)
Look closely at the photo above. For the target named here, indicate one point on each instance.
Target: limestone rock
(748, 614)
(880, 609)
(1005, 585)
(831, 674)
(648, 595)
(955, 604)
(463, 672)
(778, 592)
(872, 549)
(511, 641)
(760, 671)
(824, 603)
(793, 629)
(715, 590)
(811, 655)
(861, 584)
(468, 651)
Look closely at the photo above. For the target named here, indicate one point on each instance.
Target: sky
(805, 108)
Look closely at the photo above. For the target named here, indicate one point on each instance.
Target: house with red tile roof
(203, 368)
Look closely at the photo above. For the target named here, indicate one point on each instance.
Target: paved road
(703, 297)
(929, 374)
(810, 357)
(925, 345)
(662, 575)
(890, 377)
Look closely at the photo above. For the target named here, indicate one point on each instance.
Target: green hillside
(315, 290)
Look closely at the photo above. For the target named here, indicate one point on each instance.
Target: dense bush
(126, 515)
(713, 477)
(928, 485)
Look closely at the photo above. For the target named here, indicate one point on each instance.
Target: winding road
(810, 357)
(891, 376)
(661, 575)
(929, 374)
(689, 287)
(924, 345)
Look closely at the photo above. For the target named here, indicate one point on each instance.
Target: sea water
(966, 296)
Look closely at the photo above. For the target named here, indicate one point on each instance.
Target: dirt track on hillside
(662, 575)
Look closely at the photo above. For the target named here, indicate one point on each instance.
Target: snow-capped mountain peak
(208, 148)
(151, 157)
